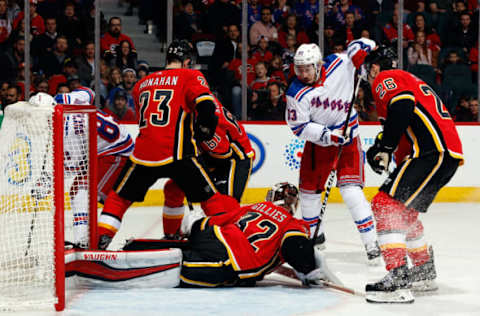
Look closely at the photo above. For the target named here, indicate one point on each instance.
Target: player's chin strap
(156, 268)
(333, 171)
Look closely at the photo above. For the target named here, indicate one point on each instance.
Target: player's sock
(79, 202)
(112, 214)
(310, 204)
(391, 229)
(173, 209)
(417, 247)
(361, 213)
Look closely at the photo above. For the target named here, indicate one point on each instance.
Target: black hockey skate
(423, 276)
(374, 254)
(319, 242)
(104, 241)
(393, 288)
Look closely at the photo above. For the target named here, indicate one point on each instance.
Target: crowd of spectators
(439, 46)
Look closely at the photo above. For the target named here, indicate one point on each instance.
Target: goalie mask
(284, 194)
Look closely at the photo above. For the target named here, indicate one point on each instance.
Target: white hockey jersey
(310, 108)
(112, 138)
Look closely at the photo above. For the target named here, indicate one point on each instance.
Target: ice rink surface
(452, 229)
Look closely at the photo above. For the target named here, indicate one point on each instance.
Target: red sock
(219, 203)
(112, 214)
(173, 209)
(416, 244)
(391, 229)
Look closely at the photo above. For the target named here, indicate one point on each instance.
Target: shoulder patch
(294, 87)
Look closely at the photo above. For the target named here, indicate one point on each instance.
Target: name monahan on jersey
(310, 108)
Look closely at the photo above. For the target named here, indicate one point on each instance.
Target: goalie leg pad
(160, 267)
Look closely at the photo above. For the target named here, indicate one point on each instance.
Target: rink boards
(278, 154)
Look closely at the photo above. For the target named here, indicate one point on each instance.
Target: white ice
(452, 228)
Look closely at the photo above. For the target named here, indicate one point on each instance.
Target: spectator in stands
(291, 27)
(123, 58)
(306, 10)
(186, 23)
(272, 108)
(261, 77)
(391, 34)
(341, 8)
(114, 78)
(288, 53)
(261, 51)
(3, 93)
(276, 70)
(5, 25)
(432, 38)
(129, 78)
(43, 43)
(113, 37)
(62, 88)
(14, 94)
(473, 105)
(37, 23)
(220, 14)
(254, 14)
(88, 23)
(86, 63)
(338, 46)
(264, 28)
(351, 28)
(119, 109)
(70, 69)
(41, 85)
(464, 35)
(73, 82)
(473, 58)
(142, 69)
(10, 60)
(70, 26)
(452, 58)
(420, 54)
(281, 11)
(13, 9)
(463, 111)
(52, 62)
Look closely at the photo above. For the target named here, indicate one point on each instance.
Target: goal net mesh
(27, 209)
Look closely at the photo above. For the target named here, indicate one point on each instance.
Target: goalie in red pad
(239, 246)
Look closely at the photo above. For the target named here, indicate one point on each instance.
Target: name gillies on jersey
(270, 211)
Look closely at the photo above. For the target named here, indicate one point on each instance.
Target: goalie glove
(379, 156)
(319, 274)
(334, 137)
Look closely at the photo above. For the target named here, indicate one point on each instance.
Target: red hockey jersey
(432, 128)
(166, 101)
(253, 236)
(229, 137)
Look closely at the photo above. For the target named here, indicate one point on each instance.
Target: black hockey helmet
(384, 56)
(284, 193)
(180, 50)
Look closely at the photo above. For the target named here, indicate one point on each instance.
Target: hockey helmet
(42, 99)
(180, 50)
(308, 54)
(384, 56)
(285, 194)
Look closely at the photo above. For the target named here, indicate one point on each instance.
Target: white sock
(79, 204)
(310, 205)
(361, 212)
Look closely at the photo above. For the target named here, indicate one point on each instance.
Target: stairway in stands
(147, 45)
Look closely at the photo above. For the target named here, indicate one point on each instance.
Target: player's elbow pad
(297, 251)
(206, 121)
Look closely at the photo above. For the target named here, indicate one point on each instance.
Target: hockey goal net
(47, 192)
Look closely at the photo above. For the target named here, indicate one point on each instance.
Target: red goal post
(48, 194)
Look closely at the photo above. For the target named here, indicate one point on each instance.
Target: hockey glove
(321, 273)
(204, 130)
(334, 137)
(379, 156)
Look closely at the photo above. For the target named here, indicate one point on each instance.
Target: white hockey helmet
(308, 54)
(42, 99)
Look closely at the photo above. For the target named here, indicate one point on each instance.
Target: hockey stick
(333, 171)
(288, 272)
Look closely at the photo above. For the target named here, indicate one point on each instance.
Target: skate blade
(402, 296)
(425, 286)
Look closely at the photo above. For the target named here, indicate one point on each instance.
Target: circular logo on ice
(259, 152)
(293, 153)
